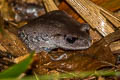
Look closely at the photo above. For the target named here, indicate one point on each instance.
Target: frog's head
(78, 39)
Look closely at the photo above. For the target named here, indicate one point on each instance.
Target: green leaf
(36, 77)
(69, 75)
(16, 70)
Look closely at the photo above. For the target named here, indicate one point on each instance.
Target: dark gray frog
(55, 29)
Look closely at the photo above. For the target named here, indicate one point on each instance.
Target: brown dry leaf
(9, 42)
(6, 11)
(32, 1)
(1, 32)
(21, 58)
(115, 47)
(12, 44)
(75, 61)
(2, 48)
(6, 60)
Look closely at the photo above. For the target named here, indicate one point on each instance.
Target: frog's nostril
(71, 40)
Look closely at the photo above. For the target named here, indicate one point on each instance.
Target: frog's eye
(70, 39)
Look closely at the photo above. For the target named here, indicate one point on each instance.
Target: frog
(55, 29)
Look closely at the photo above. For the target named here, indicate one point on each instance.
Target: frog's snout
(76, 43)
(70, 39)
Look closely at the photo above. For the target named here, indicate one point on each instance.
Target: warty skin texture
(55, 29)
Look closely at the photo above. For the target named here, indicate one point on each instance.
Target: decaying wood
(50, 5)
(91, 13)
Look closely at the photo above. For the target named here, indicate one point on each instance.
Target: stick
(92, 14)
(50, 5)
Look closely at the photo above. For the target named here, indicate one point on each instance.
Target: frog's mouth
(84, 44)
(73, 43)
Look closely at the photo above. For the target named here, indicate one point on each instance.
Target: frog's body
(55, 29)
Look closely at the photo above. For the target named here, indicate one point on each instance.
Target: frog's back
(51, 21)
(36, 32)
